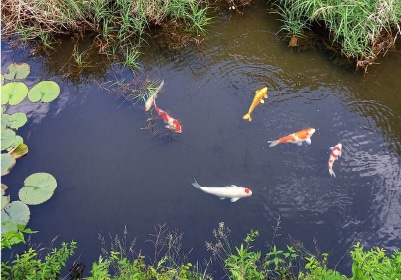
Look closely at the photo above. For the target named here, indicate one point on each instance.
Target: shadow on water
(112, 173)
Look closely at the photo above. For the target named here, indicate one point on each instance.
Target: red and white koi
(151, 100)
(171, 123)
(295, 138)
(334, 155)
(232, 191)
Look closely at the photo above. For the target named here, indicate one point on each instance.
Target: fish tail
(273, 143)
(332, 174)
(195, 184)
(247, 116)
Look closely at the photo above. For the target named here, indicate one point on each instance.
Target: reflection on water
(112, 173)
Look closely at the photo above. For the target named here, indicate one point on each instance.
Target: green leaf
(4, 120)
(17, 120)
(13, 93)
(7, 162)
(38, 188)
(14, 214)
(5, 199)
(18, 140)
(17, 71)
(45, 91)
(7, 138)
(20, 151)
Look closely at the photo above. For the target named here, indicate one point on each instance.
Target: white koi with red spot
(334, 155)
(232, 191)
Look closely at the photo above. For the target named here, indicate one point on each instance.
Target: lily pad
(45, 91)
(13, 93)
(17, 71)
(17, 120)
(38, 188)
(7, 138)
(15, 213)
(7, 162)
(20, 151)
(2, 79)
(5, 199)
(4, 120)
(18, 140)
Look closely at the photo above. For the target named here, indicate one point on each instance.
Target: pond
(112, 173)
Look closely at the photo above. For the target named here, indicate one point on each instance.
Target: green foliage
(362, 28)
(14, 237)
(29, 265)
(374, 264)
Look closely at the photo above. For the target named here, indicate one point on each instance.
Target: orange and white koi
(232, 191)
(258, 98)
(171, 123)
(334, 155)
(149, 102)
(295, 138)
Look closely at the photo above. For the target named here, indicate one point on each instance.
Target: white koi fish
(334, 155)
(232, 191)
(151, 99)
(295, 138)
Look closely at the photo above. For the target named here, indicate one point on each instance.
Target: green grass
(121, 259)
(363, 28)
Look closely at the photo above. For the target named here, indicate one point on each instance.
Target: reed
(363, 28)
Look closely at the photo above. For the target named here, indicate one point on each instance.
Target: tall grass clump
(362, 29)
(120, 26)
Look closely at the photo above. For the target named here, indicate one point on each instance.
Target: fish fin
(233, 186)
(234, 199)
(273, 143)
(247, 116)
(221, 198)
(299, 144)
(332, 174)
(308, 141)
(262, 101)
(195, 184)
(339, 154)
(331, 148)
(265, 96)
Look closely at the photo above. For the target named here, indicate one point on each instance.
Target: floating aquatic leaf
(2, 79)
(7, 138)
(19, 151)
(38, 188)
(17, 120)
(4, 120)
(7, 162)
(5, 199)
(18, 140)
(13, 93)
(45, 91)
(17, 71)
(3, 108)
(15, 213)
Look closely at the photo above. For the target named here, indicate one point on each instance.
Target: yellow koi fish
(258, 98)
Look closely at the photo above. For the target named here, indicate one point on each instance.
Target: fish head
(247, 192)
(262, 93)
(310, 131)
(176, 126)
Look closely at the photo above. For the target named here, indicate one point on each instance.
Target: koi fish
(171, 123)
(258, 98)
(232, 191)
(296, 138)
(334, 155)
(149, 102)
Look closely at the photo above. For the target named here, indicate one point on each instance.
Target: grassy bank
(122, 260)
(359, 30)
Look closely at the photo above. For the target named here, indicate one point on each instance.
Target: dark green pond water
(111, 173)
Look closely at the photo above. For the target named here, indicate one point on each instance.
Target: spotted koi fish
(171, 123)
(334, 155)
(232, 191)
(295, 138)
